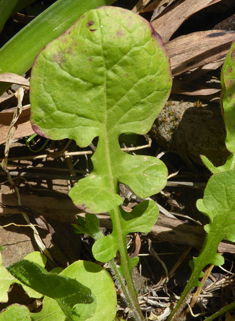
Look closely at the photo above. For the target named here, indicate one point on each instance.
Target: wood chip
(23, 125)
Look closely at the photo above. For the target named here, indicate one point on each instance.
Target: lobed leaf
(88, 225)
(141, 219)
(218, 204)
(111, 75)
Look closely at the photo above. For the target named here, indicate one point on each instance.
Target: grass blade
(6, 9)
(18, 54)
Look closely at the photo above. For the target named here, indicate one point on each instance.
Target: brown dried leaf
(168, 23)
(186, 88)
(140, 5)
(158, 6)
(13, 79)
(227, 24)
(186, 54)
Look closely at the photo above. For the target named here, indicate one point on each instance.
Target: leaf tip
(38, 130)
(82, 207)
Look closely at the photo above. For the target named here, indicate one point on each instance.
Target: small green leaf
(88, 225)
(15, 312)
(66, 291)
(141, 219)
(228, 97)
(229, 164)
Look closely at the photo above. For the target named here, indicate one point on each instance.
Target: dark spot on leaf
(233, 55)
(119, 33)
(216, 34)
(90, 58)
(59, 58)
(90, 23)
(230, 69)
(70, 51)
(230, 83)
(150, 79)
(93, 30)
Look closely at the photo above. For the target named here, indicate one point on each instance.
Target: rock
(192, 128)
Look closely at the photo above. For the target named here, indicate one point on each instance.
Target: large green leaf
(18, 54)
(228, 97)
(106, 75)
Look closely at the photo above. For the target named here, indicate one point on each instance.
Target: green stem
(210, 245)
(107, 149)
(221, 311)
(129, 290)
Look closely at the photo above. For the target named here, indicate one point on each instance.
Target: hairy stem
(127, 289)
